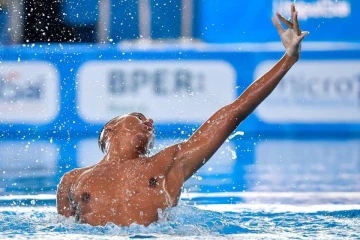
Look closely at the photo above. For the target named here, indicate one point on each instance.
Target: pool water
(252, 188)
(204, 221)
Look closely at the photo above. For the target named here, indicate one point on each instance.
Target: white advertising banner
(29, 92)
(315, 9)
(167, 91)
(313, 92)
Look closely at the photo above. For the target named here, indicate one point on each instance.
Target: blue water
(252, 188)
(189, 221)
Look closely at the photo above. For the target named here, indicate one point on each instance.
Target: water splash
(233, 153)
(185, 222)
(237, 133)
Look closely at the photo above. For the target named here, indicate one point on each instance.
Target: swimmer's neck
(122, 153)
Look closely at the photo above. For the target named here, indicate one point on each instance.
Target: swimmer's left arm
(194, 153)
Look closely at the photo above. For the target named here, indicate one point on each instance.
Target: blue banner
(72, 90)
(250, 21)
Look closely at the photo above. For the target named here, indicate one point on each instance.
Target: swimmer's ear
(109, 131)
(109, 128)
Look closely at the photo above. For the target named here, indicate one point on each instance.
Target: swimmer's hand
(292, 37)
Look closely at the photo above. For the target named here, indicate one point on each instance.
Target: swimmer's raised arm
(194, 153)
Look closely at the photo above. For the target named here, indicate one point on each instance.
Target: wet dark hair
(102, 140)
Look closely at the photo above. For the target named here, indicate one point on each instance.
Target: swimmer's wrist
(291, 59)
(294, 52)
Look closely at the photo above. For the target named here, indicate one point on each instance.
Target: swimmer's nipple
(153, 182)
(85, 197)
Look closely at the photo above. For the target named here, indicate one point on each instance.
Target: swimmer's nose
(150, 120)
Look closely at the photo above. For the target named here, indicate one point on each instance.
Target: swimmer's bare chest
(127, 192)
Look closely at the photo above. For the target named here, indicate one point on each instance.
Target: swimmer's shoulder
(72, 175)
(63, 192)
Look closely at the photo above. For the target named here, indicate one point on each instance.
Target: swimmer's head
(132, 129)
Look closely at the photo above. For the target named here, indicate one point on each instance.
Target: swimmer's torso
(127, 192)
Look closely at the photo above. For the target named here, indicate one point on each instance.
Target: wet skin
(127, 186)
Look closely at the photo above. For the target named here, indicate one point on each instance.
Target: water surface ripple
(188, 221)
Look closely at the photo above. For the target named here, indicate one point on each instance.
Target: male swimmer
(127, 186)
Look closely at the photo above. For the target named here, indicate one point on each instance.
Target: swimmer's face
(134, 129)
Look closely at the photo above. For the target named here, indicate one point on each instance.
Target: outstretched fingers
(277, 25)
(303, 35)
(295, 22)
(292, 9)
(284, 21)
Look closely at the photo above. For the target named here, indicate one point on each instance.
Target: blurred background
(67, 67)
